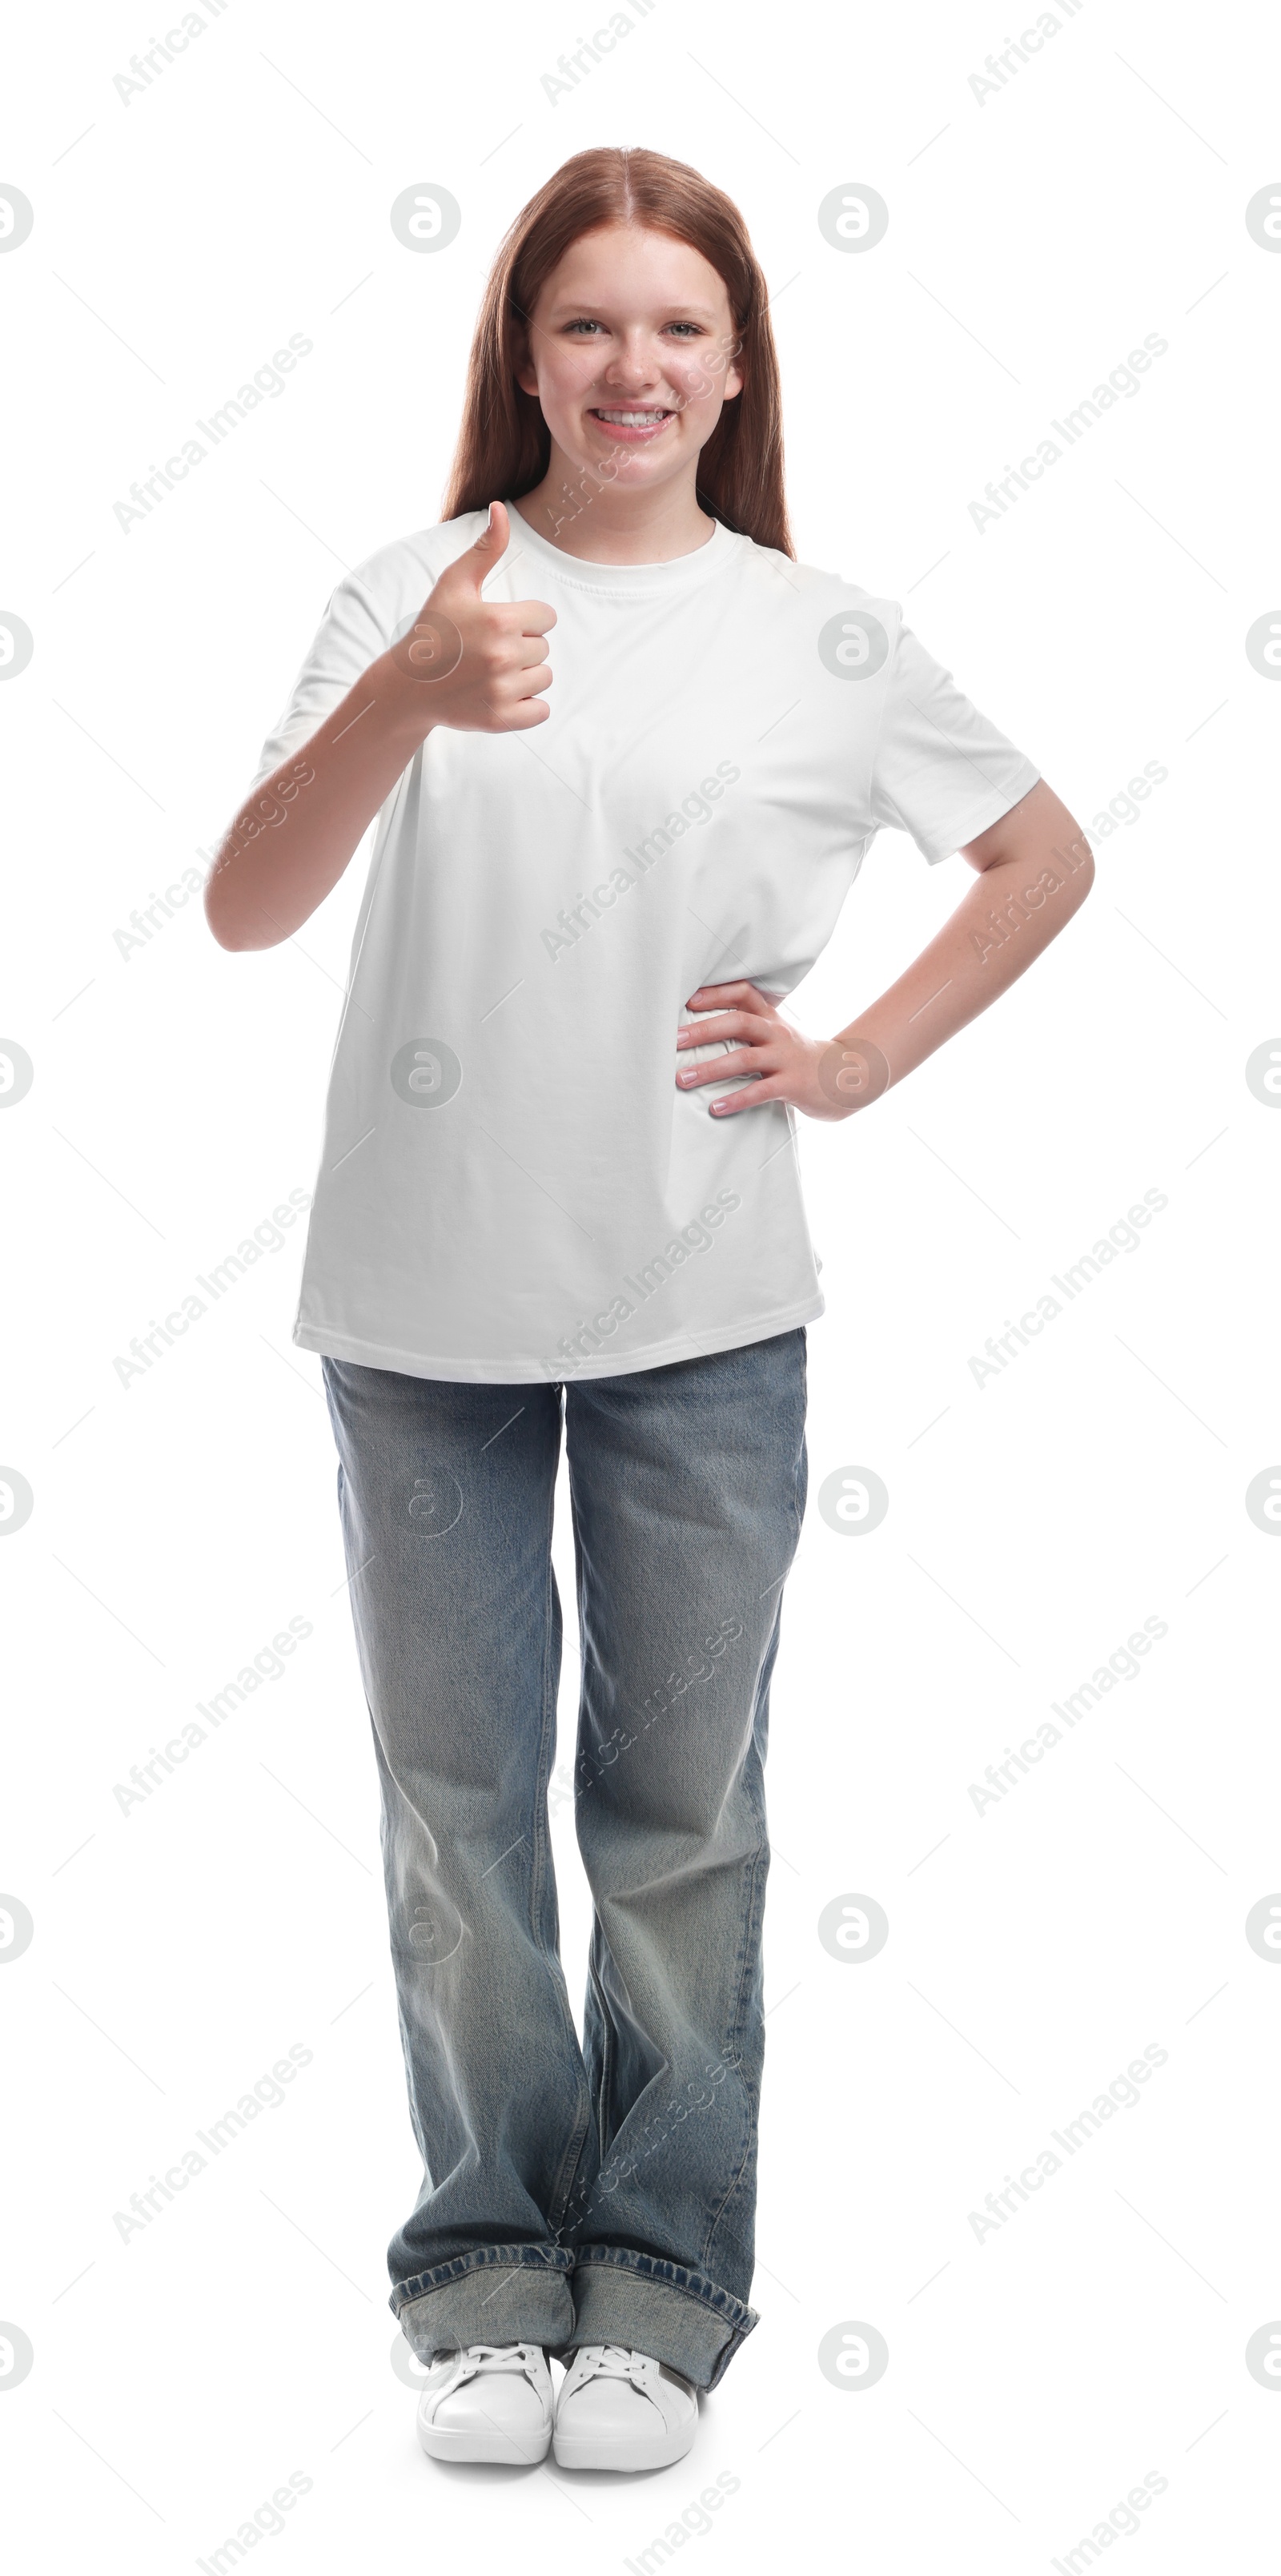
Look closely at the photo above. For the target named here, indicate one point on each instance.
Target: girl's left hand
(826, 1077)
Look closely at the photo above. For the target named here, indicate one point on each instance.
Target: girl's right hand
(483, 662)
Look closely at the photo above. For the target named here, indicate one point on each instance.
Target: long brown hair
(504, 444)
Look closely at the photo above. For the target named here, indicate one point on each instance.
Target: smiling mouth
(633, 419)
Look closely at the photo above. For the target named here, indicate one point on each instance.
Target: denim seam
(750, 1931)
(753, 1924)
(606, 2051)
(800, 1446)
(753, 1927)
(603, 2090)
(538, 1872)
(568, 2167)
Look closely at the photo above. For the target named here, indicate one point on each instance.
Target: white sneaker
(622, 2410)
(492, 2402)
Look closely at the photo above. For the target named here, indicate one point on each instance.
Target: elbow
(1082, 858)
(237, 936)
(221, 923)
(234, 923)
(225, 932)
(1082, 881)
(1070, 869)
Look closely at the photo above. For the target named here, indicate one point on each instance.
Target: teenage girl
(559, 1186)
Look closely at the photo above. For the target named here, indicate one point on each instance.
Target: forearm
(293, 837)
(1039, 875)
(1035, 871)
(478, 665)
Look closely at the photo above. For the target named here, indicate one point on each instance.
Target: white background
(1035, 1948)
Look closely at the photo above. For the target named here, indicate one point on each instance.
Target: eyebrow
(675, 312)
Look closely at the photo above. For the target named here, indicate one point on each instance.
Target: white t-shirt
(512, 1187)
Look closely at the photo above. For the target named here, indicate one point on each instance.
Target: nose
(634, 367)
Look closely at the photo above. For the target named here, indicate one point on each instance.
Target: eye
(583, 323)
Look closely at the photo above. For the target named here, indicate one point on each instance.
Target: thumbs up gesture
(483, 662)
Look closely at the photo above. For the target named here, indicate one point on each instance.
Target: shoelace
(615, 2361)
(497, 2356)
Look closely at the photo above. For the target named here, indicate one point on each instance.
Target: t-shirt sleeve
(942, 772)
(349, 637)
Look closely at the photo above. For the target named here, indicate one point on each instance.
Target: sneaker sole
(580, 2452)
(503, 2450)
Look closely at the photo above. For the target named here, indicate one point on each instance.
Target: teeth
(633, 419)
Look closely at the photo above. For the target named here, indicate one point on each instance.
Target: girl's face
(631, 351)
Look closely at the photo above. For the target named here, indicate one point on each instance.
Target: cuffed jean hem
(657, 2307)
(500, 2294)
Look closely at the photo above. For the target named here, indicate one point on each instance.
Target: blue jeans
(602, 2194)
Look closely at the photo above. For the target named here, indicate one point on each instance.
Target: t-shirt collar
(621, 581)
